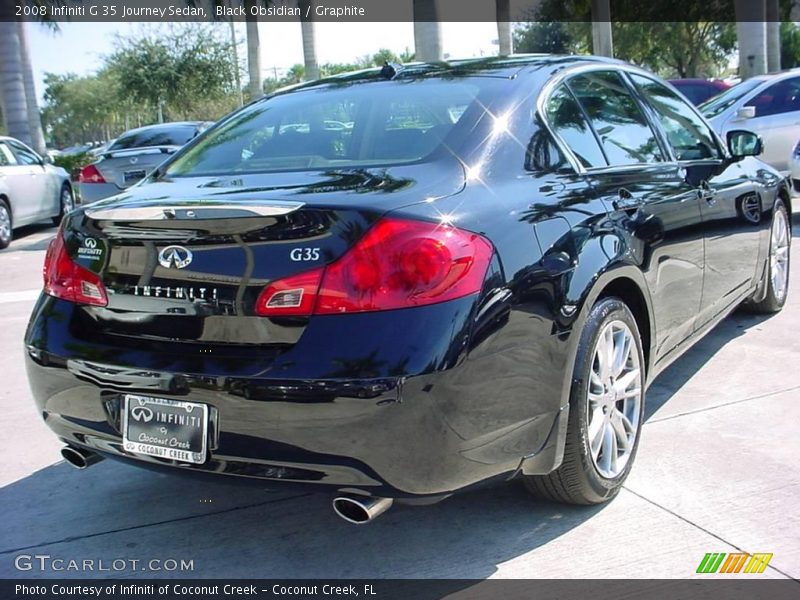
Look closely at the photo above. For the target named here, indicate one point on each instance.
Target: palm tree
(253, 52)
(427, 31)
(503, 10)
(773, 36)
(751, 33)
(12, 84)
(602, 39)
(34, 117)
(309, 40)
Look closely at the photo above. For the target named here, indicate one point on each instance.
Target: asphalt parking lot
(717, 471)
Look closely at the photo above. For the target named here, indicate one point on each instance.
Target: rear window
(155, 136)
(355, 125)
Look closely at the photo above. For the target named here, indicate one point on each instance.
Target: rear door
(730, 208)
(649, 197)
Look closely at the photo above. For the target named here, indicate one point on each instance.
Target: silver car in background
(768, 105)
(132, 156)
(31, 189)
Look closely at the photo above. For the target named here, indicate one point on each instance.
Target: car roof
(164, 126)
(777, 76)
(494, 66)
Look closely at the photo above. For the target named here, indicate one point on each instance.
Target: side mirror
(743, 143)
(47, 159)
(746, 112)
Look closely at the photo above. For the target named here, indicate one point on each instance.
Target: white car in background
(31, 189)
(768, 105)
(794, 168)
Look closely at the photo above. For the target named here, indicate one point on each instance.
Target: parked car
(699, 90)
(794, 168)
(130, 157)
(31, 189)
(768, 105)
(477, 281)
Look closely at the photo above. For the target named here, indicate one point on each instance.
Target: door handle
(707, 193)
(626, 201)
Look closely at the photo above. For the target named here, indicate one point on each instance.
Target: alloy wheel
(67, 202)
(5, 225)
(779, 255)
(614, 399)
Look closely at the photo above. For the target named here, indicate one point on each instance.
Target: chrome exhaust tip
(360, 509)
(80, 458)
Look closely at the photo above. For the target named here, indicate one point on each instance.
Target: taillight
(90, 174)
(397, 264)
(65, 279)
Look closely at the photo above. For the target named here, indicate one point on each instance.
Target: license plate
(164, 428)
(133, 176)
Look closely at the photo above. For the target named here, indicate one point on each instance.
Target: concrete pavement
(717, 471)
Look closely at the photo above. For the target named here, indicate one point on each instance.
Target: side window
(6, 158)
(568, 122)
(779, 98)
(24, 156)
(624, 132)
(687, 133)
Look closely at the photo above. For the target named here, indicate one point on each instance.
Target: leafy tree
(790, 45)
(177, 72)
(550, 37)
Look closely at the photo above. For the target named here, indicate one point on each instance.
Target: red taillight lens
(67, 280)
(90, 174)
(397, 264)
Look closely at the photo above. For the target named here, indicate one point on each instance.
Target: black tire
(773, 301)
(62, 210)
(6, 233)
(577, 480)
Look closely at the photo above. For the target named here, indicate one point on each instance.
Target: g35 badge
(304, 254)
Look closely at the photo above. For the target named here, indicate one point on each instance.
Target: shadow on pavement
(21, 243)
(117, 511)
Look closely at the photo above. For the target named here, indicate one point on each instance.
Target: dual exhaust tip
(360, 509)
(80, 458)
(352, 508)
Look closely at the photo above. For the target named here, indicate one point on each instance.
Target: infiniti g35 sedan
(473, 277)
(31, 189)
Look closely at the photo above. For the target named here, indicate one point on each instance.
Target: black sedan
(406, 282)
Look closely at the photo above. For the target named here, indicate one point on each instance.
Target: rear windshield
(155, 136)
(354, 125)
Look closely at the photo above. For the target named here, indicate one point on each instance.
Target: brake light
(65, 279)
(90, 174)
(397, 264)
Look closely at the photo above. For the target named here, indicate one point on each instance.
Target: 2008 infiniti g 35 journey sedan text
(404, 282)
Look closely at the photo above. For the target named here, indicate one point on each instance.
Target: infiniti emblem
(142, 413)
(176, 257)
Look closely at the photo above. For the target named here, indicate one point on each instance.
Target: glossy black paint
(414, 402)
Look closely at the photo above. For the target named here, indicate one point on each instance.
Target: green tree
(790, 45)
(175, 71)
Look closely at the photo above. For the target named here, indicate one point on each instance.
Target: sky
(79, 47)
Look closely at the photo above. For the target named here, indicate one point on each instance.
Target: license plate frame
(165, 437)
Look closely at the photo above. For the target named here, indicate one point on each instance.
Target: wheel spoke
(621, 351)
(619, 429)
(623, 383)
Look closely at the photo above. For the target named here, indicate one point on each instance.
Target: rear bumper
(428, 426)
